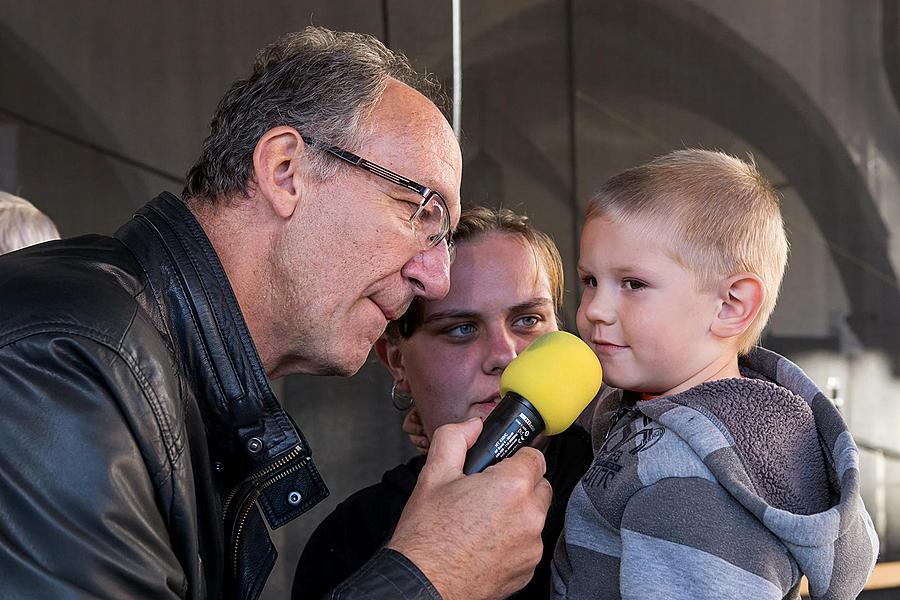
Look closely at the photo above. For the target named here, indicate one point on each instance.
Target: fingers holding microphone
(475, 536)
(479, 535)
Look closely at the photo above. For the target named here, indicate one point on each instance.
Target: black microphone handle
(513, 424)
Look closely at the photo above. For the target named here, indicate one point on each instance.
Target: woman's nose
(502, 348)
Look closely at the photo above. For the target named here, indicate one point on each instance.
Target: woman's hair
(21, 224)
(475, 222)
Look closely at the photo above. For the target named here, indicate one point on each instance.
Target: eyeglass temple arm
(359, 161)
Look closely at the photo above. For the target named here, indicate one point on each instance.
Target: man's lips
(392, 313)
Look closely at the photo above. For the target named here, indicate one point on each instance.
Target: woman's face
(499, 302)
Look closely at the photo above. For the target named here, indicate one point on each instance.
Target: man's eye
(633, 284)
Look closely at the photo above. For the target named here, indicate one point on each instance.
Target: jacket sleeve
(388, 575)
(685, 538)
(79, 517)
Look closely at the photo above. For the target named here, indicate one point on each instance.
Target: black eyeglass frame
(426, 192)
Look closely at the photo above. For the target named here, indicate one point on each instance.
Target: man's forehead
(407, 133)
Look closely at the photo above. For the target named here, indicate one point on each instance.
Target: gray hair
(21, 224)
(322, 83)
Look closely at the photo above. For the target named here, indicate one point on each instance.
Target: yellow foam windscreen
(559, 374)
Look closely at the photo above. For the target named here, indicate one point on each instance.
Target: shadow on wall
(69, 166)
(682, 51)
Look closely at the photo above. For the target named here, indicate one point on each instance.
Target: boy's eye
(633, 284)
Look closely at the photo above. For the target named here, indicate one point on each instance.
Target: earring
(402, 402)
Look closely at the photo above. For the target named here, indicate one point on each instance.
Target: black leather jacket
(140, 442)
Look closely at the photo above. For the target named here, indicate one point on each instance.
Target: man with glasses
(144, 450)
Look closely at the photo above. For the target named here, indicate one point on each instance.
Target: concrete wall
(102, 106)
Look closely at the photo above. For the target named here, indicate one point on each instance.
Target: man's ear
(741, 297)
(277, 168)
(391, 357)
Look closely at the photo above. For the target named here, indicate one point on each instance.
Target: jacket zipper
(257, 488)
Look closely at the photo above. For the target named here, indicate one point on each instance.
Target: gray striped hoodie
(731, 489)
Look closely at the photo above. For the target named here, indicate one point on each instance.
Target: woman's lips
(485, 407)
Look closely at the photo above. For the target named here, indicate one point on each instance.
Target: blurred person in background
(22, 224)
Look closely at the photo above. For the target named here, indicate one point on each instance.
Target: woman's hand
(412, 426)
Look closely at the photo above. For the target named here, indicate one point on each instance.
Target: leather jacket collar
(252, 441)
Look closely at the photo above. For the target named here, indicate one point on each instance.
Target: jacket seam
(172, 453)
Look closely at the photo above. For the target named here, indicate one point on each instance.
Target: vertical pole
(573, 139)
(457, 68)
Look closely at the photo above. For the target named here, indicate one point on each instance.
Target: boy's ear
(741, 297)
(391, 357)
(277, 168)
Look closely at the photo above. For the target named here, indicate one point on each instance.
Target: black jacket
(140, 441)
(360, 525)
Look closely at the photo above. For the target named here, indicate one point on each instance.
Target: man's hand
(475, 537)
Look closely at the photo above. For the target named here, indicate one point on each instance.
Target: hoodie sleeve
(685, 538)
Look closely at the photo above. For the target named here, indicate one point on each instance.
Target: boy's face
(642, 312)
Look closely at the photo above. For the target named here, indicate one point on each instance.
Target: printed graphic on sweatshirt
(609, 457)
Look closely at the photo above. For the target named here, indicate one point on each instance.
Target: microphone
(544, 389)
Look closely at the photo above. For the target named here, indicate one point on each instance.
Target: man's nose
(429, 272)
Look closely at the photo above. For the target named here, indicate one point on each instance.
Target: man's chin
(348, 364)
(341, 365)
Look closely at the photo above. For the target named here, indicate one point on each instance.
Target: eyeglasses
(430, 222)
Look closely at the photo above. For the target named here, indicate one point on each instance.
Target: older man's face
(353, 262)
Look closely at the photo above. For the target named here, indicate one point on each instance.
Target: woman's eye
(528, 321)
(633, 284)
(461, 330)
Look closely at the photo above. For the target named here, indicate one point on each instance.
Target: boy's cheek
(583, 326)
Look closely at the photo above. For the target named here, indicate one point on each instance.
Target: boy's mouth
(608, 347)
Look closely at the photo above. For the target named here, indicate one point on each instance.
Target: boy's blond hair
(719, 213)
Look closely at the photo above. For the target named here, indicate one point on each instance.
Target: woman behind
(446, 358)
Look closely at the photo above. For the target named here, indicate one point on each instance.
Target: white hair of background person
(21, 224)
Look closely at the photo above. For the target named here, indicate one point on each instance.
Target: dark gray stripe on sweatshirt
(701, 515)
(586, 527)
(597, 575)
(726, 465)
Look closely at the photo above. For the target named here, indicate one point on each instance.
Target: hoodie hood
(781, 449)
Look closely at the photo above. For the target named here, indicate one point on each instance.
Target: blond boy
(720, 470)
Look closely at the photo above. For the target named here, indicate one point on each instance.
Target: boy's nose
(598, 311)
